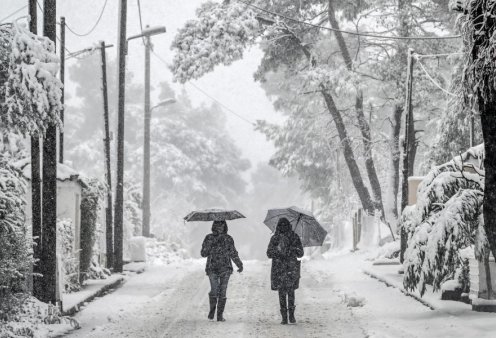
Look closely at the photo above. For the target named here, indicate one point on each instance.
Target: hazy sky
(233, 86)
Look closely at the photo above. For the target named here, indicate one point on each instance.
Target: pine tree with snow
(445, 220)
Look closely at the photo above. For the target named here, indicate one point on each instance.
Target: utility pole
(406, 148)
(49, 190)
(62, 79)
(35, 180)
(109, 223)
(147, 33)
(119, 195)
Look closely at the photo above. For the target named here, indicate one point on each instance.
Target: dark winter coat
(219, 249)
(284, 249)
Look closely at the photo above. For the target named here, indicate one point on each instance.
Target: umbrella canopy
(213, 215)
(303, 223)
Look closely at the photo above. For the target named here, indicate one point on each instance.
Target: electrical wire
(140, 21)
(229, 110)
(436, 55)
(13, 13)
(94, 26)
(432, 79)
(367, 35)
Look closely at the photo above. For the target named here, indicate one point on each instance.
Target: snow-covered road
(172, 301)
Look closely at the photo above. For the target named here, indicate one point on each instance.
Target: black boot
(292, 319)
(284, 314)
(213, 304)
(220, 309)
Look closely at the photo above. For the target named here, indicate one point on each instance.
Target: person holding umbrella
(219, 249)
(284, 248)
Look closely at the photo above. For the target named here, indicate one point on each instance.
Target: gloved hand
(240, 269)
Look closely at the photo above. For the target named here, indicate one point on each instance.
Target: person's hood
(219, 227)
(283, 226)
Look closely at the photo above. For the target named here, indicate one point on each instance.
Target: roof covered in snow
(64, 172)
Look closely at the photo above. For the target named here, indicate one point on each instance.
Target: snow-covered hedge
(65, 233)
(16, 253)
(446, 219)
(91, 204)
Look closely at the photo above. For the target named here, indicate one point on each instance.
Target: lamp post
(146, 168)
(146, 34)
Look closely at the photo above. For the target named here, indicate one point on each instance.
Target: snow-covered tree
(478, 26)
(16, 253)
(30, 90)
(344, 76)
(445, 219)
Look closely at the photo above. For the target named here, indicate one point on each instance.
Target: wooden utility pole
(108, 175)
(62, 79)
(49, 191)
(146, 144)
(146, 34)
(119, 194)
(406, 149)
(35, 180)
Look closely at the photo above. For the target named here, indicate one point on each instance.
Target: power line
(438, 55)
(220, 103)
(94, 26)
(390, 37)
(432, 79)
(13, 13)
(210, 96)
(140, 21)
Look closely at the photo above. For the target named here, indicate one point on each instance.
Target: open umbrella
(303, 223)
(213, 215)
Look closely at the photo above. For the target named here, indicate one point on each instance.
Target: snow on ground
(335, 299)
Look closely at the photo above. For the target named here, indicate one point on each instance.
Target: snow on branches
(15, 248)
(446, 219)
(31, 87)
(219, 36)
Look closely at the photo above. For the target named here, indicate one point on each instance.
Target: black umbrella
(213, 215)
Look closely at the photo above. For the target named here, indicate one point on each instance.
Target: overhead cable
(13, 13)
(433, 80)
(367, 35)
(229, 110)
(92, 28)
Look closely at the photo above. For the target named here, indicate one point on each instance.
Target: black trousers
(290, 296)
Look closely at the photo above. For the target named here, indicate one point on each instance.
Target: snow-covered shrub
(446, 219)
(16, 253)
(30, 320)
(30, 89)
(219, 35)
(92, 197)
(65, 233)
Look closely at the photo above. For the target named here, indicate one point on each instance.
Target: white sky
(233, 86)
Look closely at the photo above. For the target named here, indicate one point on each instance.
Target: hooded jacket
(284, 249)
(219, 249)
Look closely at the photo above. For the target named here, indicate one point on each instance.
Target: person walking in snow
(219, 249)
(284, 249)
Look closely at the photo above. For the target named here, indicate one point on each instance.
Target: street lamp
(146, 34)
(146, 167)
(164, 103)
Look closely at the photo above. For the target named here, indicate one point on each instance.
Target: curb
(389, 284)
(75, 309)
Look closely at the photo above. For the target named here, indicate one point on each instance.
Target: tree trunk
(362, 122)
(488, 122)
(395, 157)
(349, 157)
